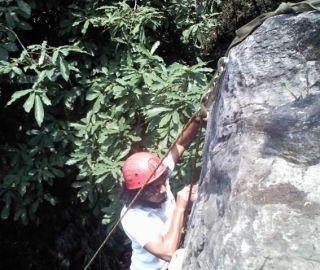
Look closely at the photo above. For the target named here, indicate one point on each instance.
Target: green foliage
(195, 19)
(85, 84)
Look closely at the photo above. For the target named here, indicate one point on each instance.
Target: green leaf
(38, 112)
(4, 55)
(11, 47)
(47, 175)
(165, 120)
(154, 47)
(34, 205)
(41, 77)
(79, 184)
(96, 106)
(73, 161)
(28, 105)
(24, 7)
(5, 212)
(17, 70)
(147, 79)
(9, 179)
(50, 74)
(14, 160)
(50, 199)
(24, 216)
(17, 214)
(35, 140)
(9, 20)
(83, 193)
(92, 196)
(92, 96)
(23, 25)
(64, 68)
(23, 187)
(18, 95)
(175, 118)
(58, 172)
(85, 27)
(156, 111)
(55, 56)
(45, 100)
(43, 53)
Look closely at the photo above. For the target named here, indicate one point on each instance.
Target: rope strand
(191, 182)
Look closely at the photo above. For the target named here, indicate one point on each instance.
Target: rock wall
(259, 197)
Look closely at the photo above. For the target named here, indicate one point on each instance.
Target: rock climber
(154, 222)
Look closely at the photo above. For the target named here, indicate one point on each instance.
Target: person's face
(156, 192)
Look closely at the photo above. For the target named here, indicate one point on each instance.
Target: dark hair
(127, 195)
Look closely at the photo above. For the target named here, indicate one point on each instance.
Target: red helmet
(138, 168)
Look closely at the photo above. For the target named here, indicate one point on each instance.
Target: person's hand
(205, 119)
(183, 196)
(199, 118)
(194, 193)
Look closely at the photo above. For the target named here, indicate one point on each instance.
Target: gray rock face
(259, 197)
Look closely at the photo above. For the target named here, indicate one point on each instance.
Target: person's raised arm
(185, 139)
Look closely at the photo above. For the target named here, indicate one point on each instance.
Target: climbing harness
(211, 92)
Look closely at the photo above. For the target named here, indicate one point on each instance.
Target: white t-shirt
(142, 224)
